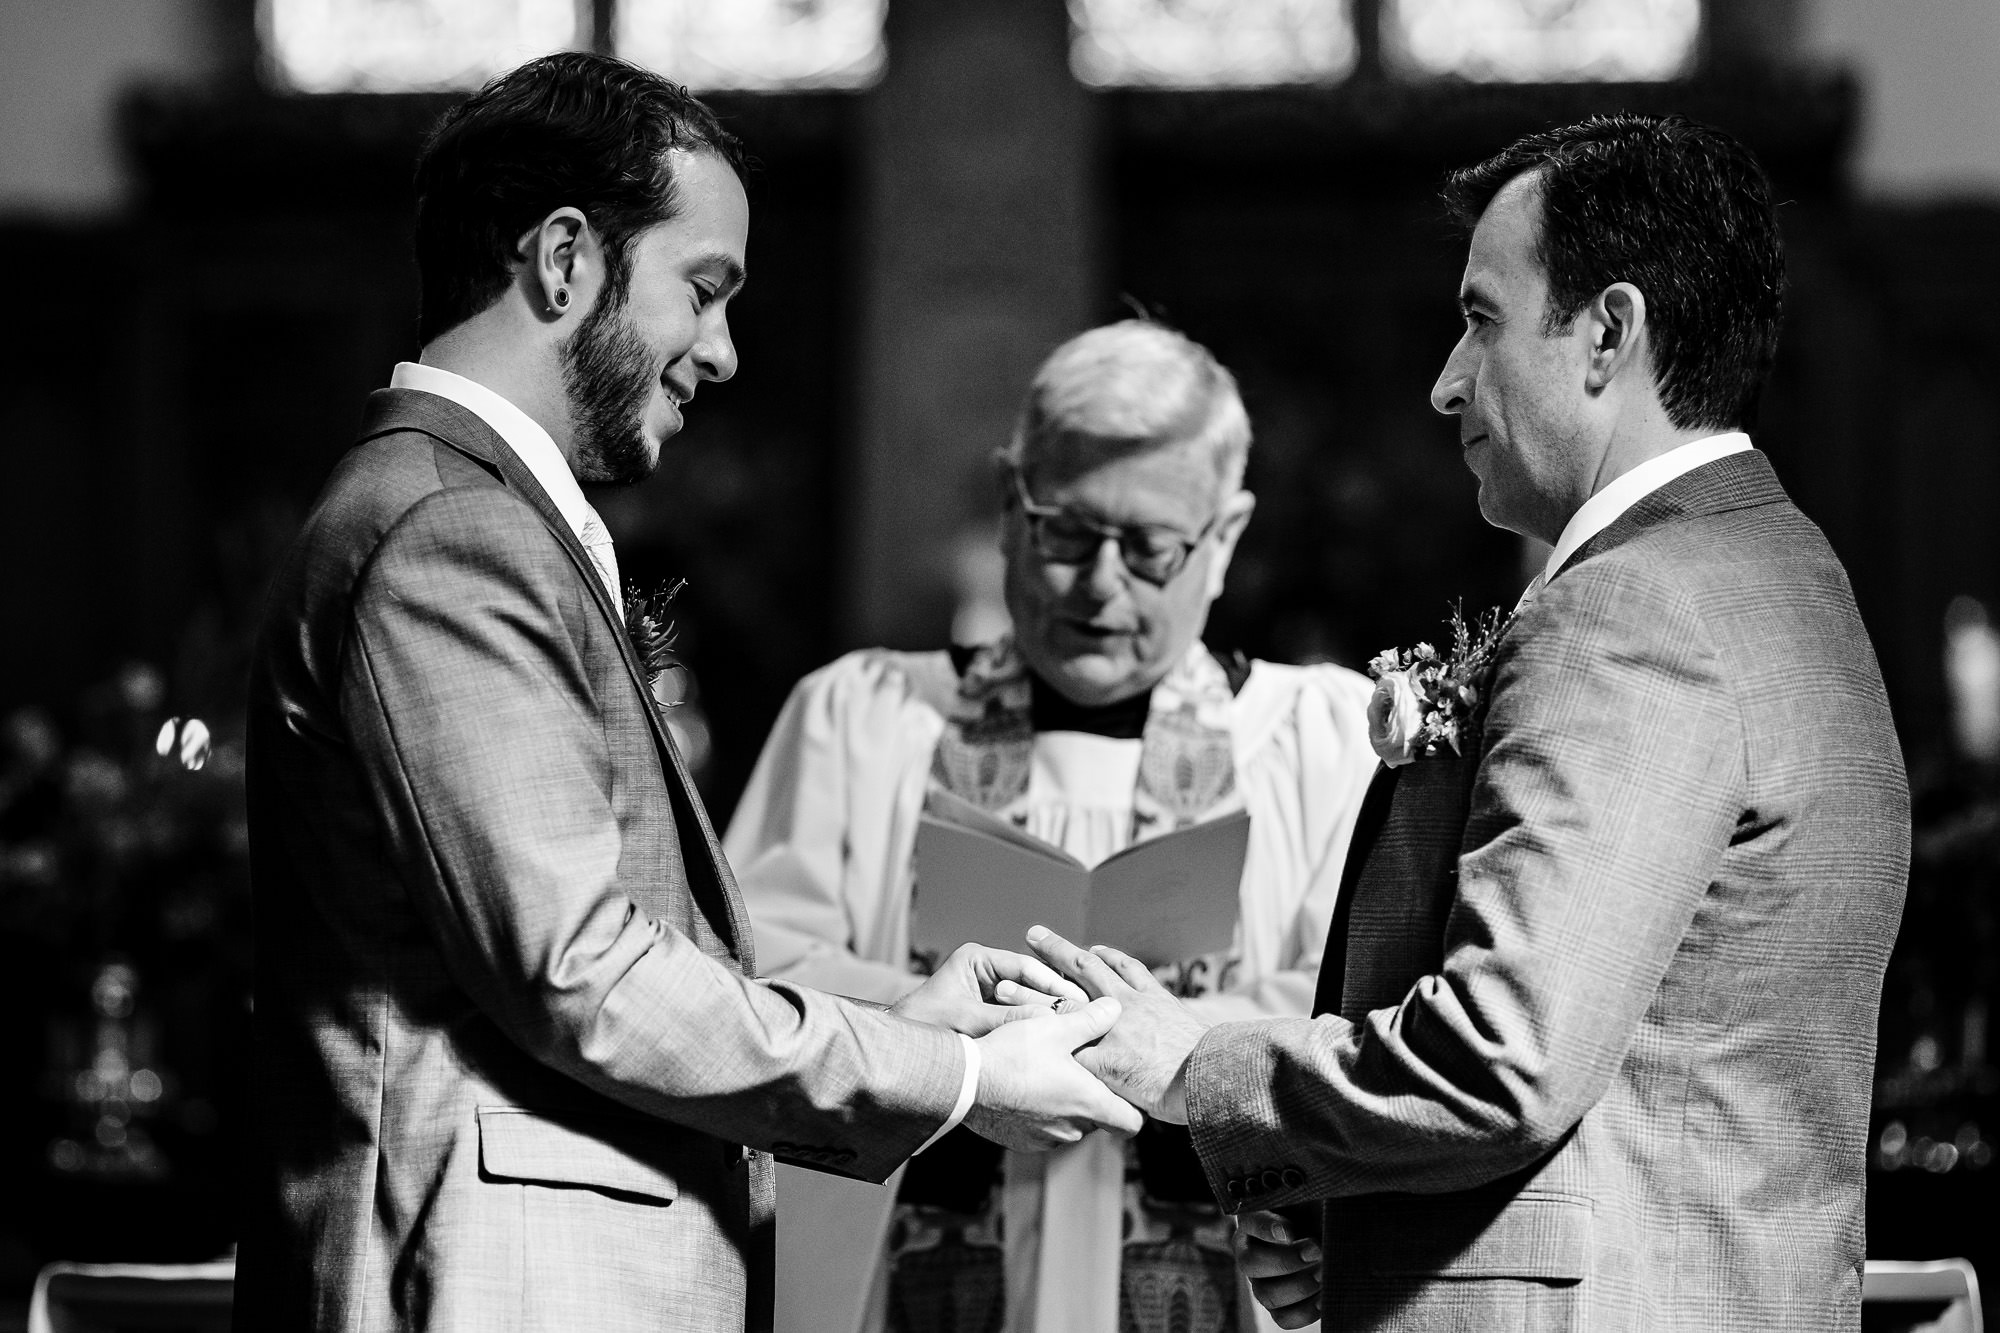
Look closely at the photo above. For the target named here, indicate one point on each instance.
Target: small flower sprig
(652, 633)
(1423, 698)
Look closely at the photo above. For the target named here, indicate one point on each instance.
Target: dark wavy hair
(1681, 211)
(575, 129)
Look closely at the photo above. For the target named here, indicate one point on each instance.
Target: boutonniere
(652, 633)
(1423, 698)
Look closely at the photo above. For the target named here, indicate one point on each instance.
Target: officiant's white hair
(1132, 387)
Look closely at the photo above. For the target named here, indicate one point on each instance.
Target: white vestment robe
(823, 839)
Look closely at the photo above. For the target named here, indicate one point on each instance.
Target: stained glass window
(397, 45)
(1210, 43)
(1541, 40)
(755, 43)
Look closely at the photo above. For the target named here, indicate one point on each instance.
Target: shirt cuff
(967, 1092)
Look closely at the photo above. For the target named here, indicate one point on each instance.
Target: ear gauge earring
(562, 298)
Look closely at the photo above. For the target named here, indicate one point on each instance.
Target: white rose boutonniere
(1423, 698)
(1395, 716)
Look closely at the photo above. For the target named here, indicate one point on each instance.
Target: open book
(980, 878)
(1163, 900)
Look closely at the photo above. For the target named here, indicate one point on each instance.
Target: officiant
(1100, 721)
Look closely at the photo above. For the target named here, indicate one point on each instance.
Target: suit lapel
(1368, 826)
(391, 410)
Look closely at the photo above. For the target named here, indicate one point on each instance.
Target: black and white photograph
(1000, 666)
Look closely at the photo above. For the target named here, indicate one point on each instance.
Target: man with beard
(514, 1069)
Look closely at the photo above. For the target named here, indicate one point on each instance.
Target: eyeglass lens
(1155, 557)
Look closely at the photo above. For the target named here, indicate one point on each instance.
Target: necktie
(596, 539)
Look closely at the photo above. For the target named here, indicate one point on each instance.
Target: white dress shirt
(534, 447)
(1603, 509)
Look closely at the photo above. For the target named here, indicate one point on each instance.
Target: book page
(974, 885)
(957, 810)
(1173, 897)
(1161, 901)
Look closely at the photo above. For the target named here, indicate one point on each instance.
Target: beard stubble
(608, 376)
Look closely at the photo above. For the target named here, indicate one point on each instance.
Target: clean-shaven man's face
(1095, 631)
(631, 367)
(1519, 394)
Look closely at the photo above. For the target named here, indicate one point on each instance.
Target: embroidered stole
(1187, 774)
(1187, 766)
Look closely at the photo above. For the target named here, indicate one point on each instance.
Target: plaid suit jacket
(1601, 1035)
(509, 1047)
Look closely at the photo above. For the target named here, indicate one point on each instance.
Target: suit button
(1293, 1178)
(1272, 1180)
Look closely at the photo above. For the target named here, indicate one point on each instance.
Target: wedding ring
(1068, 1006)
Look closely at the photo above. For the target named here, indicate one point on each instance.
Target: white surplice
(822, 844)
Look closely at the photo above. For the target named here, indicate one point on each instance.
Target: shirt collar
(521, 432)
(1601, 510)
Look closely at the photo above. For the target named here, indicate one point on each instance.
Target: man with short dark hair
(513, 1067)
(1595, 1029)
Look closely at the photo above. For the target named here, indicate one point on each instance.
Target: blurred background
(204, 220)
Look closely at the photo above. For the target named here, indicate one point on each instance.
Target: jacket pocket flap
(520, 1145)
(1544, 1236)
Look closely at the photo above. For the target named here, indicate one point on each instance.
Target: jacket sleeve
(1606, 793)
(473, 718)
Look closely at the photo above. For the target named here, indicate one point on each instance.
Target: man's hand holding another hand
(1032, 1094)
(977, 989)
(1144, 1058)
(1035, 1095)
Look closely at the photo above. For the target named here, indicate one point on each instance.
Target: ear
(562, 264)
(1236, 511)
(1615, 326)
(1003, 479)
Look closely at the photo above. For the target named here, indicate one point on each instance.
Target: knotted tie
(596, 540)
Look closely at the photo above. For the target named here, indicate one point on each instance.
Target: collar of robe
(1187, 768)
(1051, 710)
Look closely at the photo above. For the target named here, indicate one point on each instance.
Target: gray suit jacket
(509, 1046)
(1605, 1015)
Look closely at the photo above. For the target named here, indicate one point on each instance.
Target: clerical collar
(1050, 710)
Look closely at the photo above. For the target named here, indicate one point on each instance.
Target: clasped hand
(1141, 1052)
(1281, 1256)
(1033, 1094)
(1144, 1058)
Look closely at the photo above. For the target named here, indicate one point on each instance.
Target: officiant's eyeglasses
(1157, 555)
